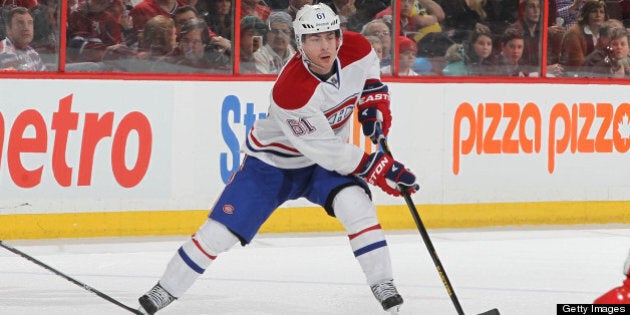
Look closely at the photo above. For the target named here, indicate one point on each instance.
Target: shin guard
(357, 213)
(195, 256)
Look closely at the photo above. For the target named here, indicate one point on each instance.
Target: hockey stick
(429, 244)
(59, 273)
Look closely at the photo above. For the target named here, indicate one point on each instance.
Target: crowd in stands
(585, 38)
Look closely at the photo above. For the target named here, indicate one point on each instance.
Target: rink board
(313, 219)
(96, 158)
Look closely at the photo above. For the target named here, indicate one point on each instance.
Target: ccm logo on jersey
(378, 170)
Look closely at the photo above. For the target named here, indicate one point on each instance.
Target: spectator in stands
(501, 14)
(456, 61)
(620, 59)
(15, 52)
(462, 17)
(343, 8)
(29, 4)
(277, 50)
(343, 23)
(620, 10)
(474, 57)
(252, 30)
(277, 5)
(160, 37)
(428, 31)
(580, 39)
(530, 25)
(602, 50)
(420, 20)
(183, 15)
(7, 5)
(295, 5)
(118, 9)
(417, 17)
(377, 45)
(188, 13)
(380, 29)
(45, 30)
(407, 50)
(508, 61)
(610, 57)
(567, 10)
(556, 27)
(365, 11)
(193, 53)
(192, 3)
(147, 9)
(72, 5)
(256, 8)
(91, 29)
(219, 17)
(156, 47)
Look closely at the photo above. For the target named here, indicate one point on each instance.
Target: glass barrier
(588, 38)
(150, 36)
(499, 38)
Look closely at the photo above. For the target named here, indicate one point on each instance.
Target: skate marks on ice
(518, 271)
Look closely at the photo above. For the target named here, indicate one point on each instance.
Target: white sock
(357, 213)
(195, 256)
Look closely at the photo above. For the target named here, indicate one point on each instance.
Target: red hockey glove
(381, 170)
(374, 113)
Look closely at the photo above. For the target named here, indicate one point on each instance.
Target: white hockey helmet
(317, 18)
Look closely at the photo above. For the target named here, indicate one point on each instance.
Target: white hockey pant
(357, 213)
(195, 256)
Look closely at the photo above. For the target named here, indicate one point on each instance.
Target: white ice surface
(517, 270)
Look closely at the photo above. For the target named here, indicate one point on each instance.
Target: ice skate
(386, 294)
(156, 299)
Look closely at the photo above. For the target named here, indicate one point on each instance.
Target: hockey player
(618, 295)
(300, 150)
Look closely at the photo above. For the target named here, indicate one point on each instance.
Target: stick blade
(493, 311)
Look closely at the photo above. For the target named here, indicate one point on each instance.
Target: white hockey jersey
(308, 119)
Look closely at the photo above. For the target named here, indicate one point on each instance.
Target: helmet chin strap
(310, 62)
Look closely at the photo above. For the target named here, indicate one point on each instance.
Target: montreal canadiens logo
(228, 209)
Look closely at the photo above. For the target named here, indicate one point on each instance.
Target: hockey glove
(374, 113)
(381, 170)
